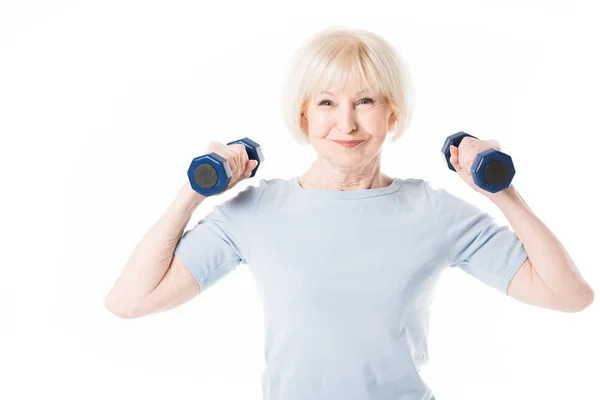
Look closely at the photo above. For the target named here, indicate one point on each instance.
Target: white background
(104, 104)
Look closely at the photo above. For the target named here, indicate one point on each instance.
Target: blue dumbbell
(210, 174)
(492, 169)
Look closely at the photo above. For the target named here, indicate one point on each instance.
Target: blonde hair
(341, 57)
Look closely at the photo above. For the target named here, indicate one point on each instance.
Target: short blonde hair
(339, 57)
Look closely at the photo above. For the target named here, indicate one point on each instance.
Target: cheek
(374, 123)
(322, 120)
(318, 123)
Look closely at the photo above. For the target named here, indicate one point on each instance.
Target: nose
(346, 119)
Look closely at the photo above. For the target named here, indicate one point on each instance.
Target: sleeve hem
(511, 271)
(503, 279)
(200, 279)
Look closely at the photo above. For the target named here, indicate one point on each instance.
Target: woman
(345, 257)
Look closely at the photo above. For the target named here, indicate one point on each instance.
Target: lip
(349, 143)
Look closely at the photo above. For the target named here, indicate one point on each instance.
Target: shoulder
(413, 183)
(245, 198)
(433, 192)
(254, 193)
(417, 188)
(433, 196)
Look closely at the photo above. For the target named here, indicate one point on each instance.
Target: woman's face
(347, 115)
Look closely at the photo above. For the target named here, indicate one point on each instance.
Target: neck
(322, 175)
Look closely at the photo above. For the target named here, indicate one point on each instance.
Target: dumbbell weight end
(210, 174)
(492, 170)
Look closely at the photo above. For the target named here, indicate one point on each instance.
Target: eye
(369, 100)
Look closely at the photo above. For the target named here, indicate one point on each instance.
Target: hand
(462, 158)
(237, 158)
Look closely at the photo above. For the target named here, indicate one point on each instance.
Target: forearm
(153, 254)
(548, 256)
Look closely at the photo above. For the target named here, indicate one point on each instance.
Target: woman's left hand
(462, 158)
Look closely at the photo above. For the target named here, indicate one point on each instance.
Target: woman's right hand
(237, 158)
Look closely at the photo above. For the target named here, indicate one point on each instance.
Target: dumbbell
(492, 169)
(210, 174)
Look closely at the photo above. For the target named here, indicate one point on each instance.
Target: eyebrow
(362, 91)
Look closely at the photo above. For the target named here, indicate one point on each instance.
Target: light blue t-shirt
(346, 278)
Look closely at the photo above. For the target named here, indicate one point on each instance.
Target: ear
(303, 122)
(392, 120)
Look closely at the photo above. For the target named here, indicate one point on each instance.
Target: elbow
(119, 311)
(584, 299)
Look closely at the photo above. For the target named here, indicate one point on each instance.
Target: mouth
(349, 143)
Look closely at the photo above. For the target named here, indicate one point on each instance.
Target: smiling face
(347, 114)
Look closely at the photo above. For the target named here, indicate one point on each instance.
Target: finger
(233, 160)
(454, 158)
(494, 144)
(249, 167)
(241, 157)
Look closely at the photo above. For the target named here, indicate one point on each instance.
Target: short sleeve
(217, 244)
(489, 252)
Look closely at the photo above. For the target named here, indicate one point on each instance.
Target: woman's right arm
(154, 279)
(153, 261)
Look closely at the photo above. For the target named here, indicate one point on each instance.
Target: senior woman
(345, 257)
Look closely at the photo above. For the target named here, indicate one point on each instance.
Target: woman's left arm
(548, 278)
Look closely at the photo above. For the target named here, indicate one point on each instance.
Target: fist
(462, 158)
(237, 158)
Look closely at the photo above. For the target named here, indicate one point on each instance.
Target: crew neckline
(347, 194)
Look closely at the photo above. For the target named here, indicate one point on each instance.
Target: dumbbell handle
(210, 174)
(492, 170)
